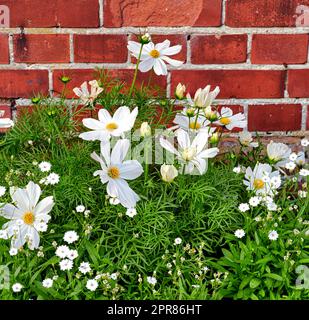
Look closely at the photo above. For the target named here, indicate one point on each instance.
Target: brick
(262, 13)
(100, 48)
(38, 48)
(234, 83)
(298, 83)
(78, 76)
(279, 48)
(4, 49)
(23, 83)
(53, 13)
(283, 117)
(164, 13)
(175, 39)
(7, 114)
(219, 49)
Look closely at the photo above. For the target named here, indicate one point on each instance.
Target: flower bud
(35, 100)
(168, 172)
(190, 112)
(214, 139)
(145, 38)
(180, 91)
(65, 79)
(210, 114)
(145, 129)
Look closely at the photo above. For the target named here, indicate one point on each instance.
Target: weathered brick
(164, 13)
(298, 83)
(4, 49)
(38, 48)
(219, 49)
(282, 117)
(279, 48)
(23, 83)
(234, 83)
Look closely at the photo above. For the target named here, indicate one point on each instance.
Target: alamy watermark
(302, 281)
(302, 19)
(4, 16)
(4, 277)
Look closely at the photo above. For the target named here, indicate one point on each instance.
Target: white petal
(20, 197)
(209, 153)
(172, 62)
(104, 116)
(171, 50)
(163, 45)
(200, 141)
(120, 151)
(130, 170)
(160, 67)
(146, 64)
(93, 124)
(126, 195)
(95, 135)
(9, 211)
(168, 146)
(44, 206)
(183, 139)
(34, 193)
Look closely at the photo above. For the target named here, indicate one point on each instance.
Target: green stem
(136, 70)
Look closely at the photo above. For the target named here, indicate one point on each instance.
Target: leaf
(92, 253)
(273, 276)
(254, 283)
(244, 283)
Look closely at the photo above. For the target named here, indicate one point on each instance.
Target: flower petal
(120, 151)
(130, 170)
(44, 206)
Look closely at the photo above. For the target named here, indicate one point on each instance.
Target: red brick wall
(255, 50)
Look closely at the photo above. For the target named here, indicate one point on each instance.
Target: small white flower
(4, 234)
(272, 206)
(80, 208)
(30, 142)
(243, 207)
(293, 156)
(2, 191)
(66, 264)
(237, 170)
(72, 254)
(42, 227)
(177, 241)
(13, 252)
(239, 233)
(114, 276)
(131, 212)
(70, 237)
(45, 166)
(16, 287)
(254, 201)
(62, 251)
(52, 179)
(92, 285)
(47, 283)
(87, 213)
(304, 172)
(305, 142)
(290, 166)
(114, 201)
(84, 267)
(273, 235)
(275, 182)
(152, 280)
(302, 194)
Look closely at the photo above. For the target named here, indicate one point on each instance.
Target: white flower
(279, 153)
(6, 123)
(203, 98)
(122, 121)
(2, 191)
(177, 241)
(273, 235)
(245, 138)
(293, 156)
(155, 56)
(145, 129)
(80, 208)
(52, 179)
(114, 201)
(304, 172)
(84, 267)
(114, 276)
(84, 94)
(231, 121)
(239, 233)
(302, 194)
(191, 123)
(300, 160)
(47, 283)
(66, 264)
(152, 280)
(243, 207)
(191, 154)
(254, 180)
(168, 172)
(92, 285)
(254, 201)
(115, 171)
(275, 182)
(62, 251)
(271, 206)
(42, 227)
(131, 212)
(45, 166)
(13, 252)
(237, 170)
(70, 237)
(290, 166)
(26, 215)
(16, 287)
(72, 254)
(180, 91)
(304, 142)
(4, 234)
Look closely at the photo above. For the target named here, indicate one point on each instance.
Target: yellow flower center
(194, 126)
(113, 172)
(28, 218)
(154, 53)
(258, 184)
(225, 121)
(188, 154)
(111, 126)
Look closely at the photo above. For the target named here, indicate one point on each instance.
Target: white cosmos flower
(115, 171)
(203, 98)
(239, 233)
(45, 166)
(273, 235)
(155, 56)
(245, 138)
(84, 267)
(2, 191)
(26, 215)
(6, 123)
(255, 180)
(47, 283)
(279, 153)
(243, 207)
(177, 241)
(231, 121)
(122, 121)
(92, 285)
(84, 94)
(191, 154)
(70, 237)
(191, 123)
